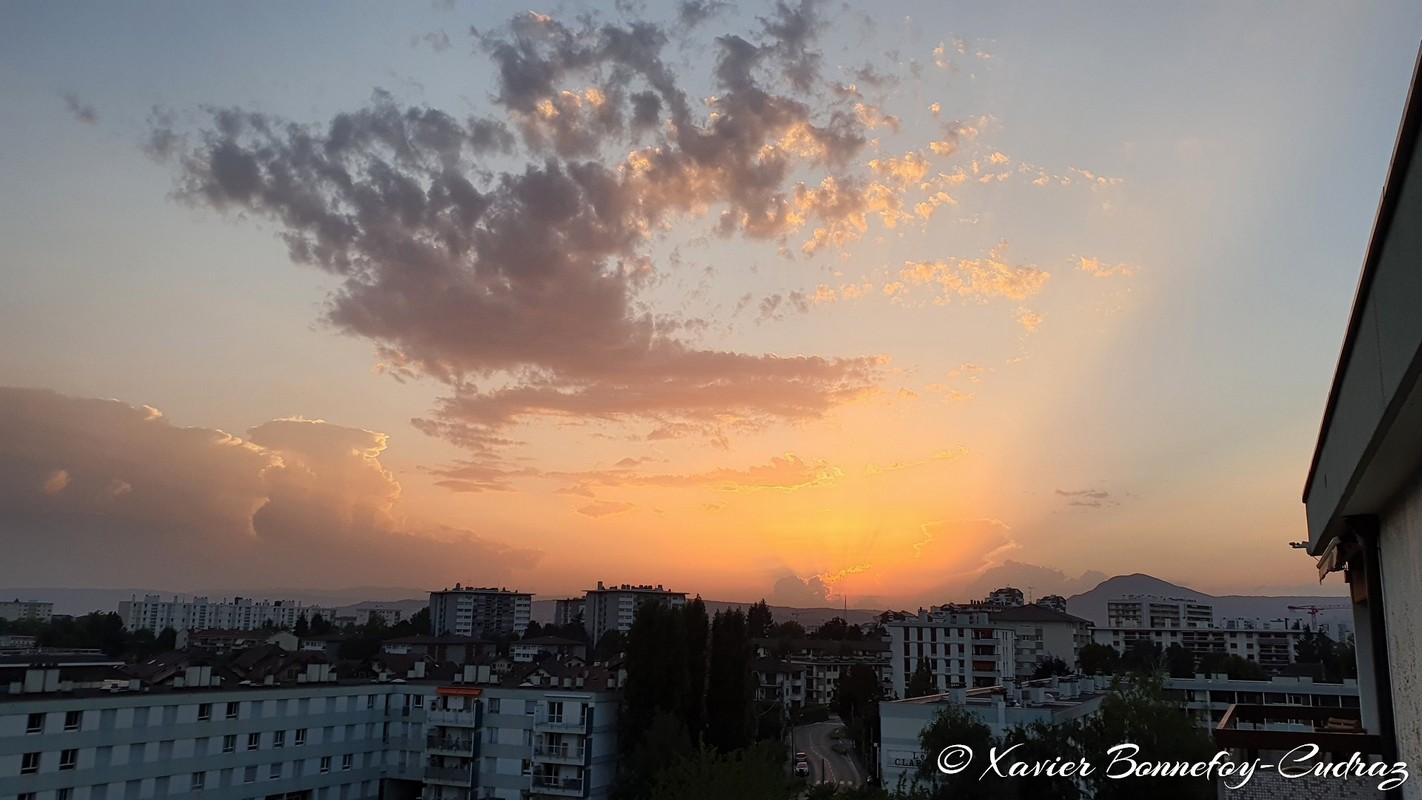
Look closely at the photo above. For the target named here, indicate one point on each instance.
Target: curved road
(826, 766)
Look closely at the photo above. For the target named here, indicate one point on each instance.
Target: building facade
(481, 612)
(962, 647)
(241, 614)
(1363, 494)
(18, 610)
(316, 739)
(615, 608)
(1040, 632)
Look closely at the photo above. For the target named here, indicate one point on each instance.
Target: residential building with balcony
(1272, 644)
(1363, 493)
(18, 610)
(822, 663)
(1146, 611)
(614, 608)
(90, 732)
(241, 614)
(962, 646)
(484, 612)
(1041, 632)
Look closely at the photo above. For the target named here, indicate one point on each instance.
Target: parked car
(802, 768)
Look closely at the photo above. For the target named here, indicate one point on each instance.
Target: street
(826, 766)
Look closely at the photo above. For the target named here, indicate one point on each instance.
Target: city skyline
(880, 306)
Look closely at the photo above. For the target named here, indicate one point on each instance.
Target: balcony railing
(450, 776)
(560, 753)
(562, 787)
(568, 722)
(450, 744)
(464, 719)
(1253, 728)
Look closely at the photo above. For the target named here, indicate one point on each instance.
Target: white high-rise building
(615, 608)
(484, 612)
(241, 614)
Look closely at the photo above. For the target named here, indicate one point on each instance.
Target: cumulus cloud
(104, 493)
(797, 592)
(520, 286)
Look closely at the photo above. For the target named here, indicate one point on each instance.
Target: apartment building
(317, 738)
(1145, 611)
(18, 610)
(1040, 632)
(480, 612)
(241, 614)
(1363, 493)
(568, 610)
(819, 665)
(614, 608)
(1271, 644)
(962, 647)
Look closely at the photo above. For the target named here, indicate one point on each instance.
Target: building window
(29, 764)
(232, 710)
(249, 774)
(64, 794)
(346, 761)
(254, 741)
(325, 764)
(27, 796)
(300, 737)
(35, 723)
(72, 720)
(204, 712)
(199, 778)
(370, 702)
(493, 705)
(419, 701)
(276, 772)
(279, 739)
(229, 743)
(68, 758)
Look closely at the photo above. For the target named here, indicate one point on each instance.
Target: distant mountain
(1092, 605)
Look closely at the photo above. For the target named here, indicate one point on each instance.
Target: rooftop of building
(1035, 612)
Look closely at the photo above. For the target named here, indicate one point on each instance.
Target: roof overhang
(1370, 442)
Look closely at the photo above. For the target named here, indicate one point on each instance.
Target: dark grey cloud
(101, 493)
(505, 255)
(82, 111)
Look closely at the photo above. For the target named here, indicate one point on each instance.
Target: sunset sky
(812, 301)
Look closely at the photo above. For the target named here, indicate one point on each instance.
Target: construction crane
(1313, 612)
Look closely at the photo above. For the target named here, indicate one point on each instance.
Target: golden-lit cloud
(978, 278)
(1102, 269)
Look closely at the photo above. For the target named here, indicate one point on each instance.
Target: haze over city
(819, 303)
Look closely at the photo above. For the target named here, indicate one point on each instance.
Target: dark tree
(838, 629)
(1179, 661)
(303, 626)
(921, 682)
(1097, 659)
(320, 626)
(1138, 712)
(759, 620)
(698, 642)
(533, 630)
(789, 629)
(420, 622)
(730, 685)
(953, 725)
(1047, 666)
(609, 646)
(1142, 656)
